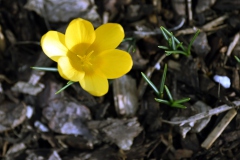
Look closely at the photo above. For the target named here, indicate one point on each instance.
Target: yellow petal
(68, 71)
(108, 36)
(53, 45)
(79, 36)
(94, 84)
(113, 63)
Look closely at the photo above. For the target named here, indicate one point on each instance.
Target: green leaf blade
(150, 83)
(45, 69)
(69, 83)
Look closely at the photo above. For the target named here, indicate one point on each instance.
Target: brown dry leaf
(183, 153)
(73, 141)
(125, 96)
(64, 10)
(191, 142)
(186, 71)
(231, 136)
(179, 7)
(46, 154)
(104, 153)
(114, 6)
(201, 46)
(27, 88)
(204, 5)
(194, 126)
(67, 117)
(11, 115)
(120, 132)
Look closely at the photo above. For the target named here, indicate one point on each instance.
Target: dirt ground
(127, 123)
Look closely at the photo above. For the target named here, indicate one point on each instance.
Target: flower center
(85, 59)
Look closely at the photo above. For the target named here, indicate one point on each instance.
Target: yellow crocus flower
(88, 56)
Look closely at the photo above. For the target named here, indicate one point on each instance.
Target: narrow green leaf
(150, 83)
(191, 42)
(165, 31)
(238, 60)
(168, 54)
(176, 52)
(182, 100)
(69, 83)
(170, 42)
(164, 34)
(173, 42)
(162, 101)
(178, 105)
(127, 39)
(163, 81)
(179, 45)
(168, 93)
(169, 34)
(45, 69)
(163, 47)
(132, 46)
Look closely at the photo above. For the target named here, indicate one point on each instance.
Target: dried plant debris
(179, 7)
(204, 5)
(16, 148)
(125, 96)
(183, 153)
(2, 41)
(105, 153)
(64, 10)
(47, 154)
(78, 142)
(28, 88)
(119, 132)
(67, 117)
(12, 115)
(200, 45)
(194, 126)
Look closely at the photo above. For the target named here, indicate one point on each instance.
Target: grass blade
(164, 34)
(69, 83)
(192, 40)
(45, 69)
(178, 105)
(173, 43)
(163, 47)
(176, 52)
(162, 101)
(150, 83)
(168, 93)
(238, 60)
(182, 100)
(163, 81)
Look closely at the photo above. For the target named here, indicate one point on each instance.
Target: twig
(190, 15)
(232, 46)
(219, 129)
(214, 23)
(202, 115)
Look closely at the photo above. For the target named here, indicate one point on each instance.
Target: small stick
(202, 115)
(190, 14)
(214, 23)
(232, 46)
(219, 129)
